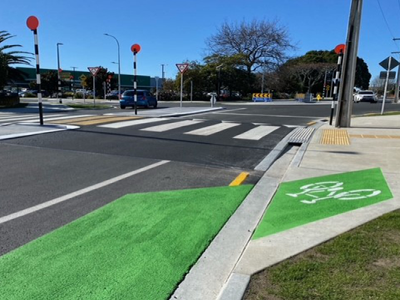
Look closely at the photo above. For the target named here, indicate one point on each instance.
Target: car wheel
(155, 105)
(122, 107)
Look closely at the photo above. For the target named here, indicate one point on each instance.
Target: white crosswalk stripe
(132, 123)
(256, 133)
(12, 117)
(170, 126)
(209, 130)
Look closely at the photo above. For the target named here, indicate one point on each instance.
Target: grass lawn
(361, 264)
(137, 247)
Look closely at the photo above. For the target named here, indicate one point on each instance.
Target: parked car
(32, 93)
(144, 98)
(365, 96)
(112, 95)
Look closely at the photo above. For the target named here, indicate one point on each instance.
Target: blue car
(144, 98)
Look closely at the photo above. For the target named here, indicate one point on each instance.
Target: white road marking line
(78, 193)
(132, 122)
(170, 126)
(209, 130)
(67, 117)
(18, 117)
(256, 133)
(277, 116)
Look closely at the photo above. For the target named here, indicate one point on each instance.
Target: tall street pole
(396, 93)
(345, 99)
(119, 65)
(162, 72)
(59, 72)
(73, 82)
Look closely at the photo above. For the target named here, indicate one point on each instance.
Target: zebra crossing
(254, 134)
(239, 131)
(8, 117)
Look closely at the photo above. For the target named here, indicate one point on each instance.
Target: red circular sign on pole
(32, 22)
(339, 49)
(135, 48)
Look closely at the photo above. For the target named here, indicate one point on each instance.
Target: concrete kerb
(237, 283)
(211, 277)
(12, 130)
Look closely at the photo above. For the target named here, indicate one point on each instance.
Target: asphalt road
(38, 169)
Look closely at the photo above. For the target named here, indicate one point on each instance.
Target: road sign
(392, 75)
(339, 49)
(94, 70)
(385, 63)
(182, 67)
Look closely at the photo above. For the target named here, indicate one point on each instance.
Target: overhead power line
(386, 22)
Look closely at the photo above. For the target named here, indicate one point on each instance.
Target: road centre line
(280, 116)
(239, 179)
(96, 186)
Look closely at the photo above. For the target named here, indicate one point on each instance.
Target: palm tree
(10, 58)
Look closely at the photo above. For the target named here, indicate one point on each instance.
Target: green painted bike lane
(303, 201)
(137, 247)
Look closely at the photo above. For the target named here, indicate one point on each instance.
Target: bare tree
(309, 74)
(260, 43)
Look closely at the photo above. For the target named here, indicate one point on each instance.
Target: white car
(365, 96)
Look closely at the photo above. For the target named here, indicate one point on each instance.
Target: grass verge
(137, 247)
(389, 113)
(89, 106)
(361, 264)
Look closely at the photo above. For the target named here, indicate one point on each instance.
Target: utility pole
(345, 99)
(396, 93)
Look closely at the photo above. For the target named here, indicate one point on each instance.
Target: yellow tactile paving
(335, 137)
(373, 136)
(94, 120)
(69, 121)
(105, 120)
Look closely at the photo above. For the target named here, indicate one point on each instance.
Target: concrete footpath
(224, 270)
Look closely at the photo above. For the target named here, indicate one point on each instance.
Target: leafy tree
(10, 58)
(101, 78)
(306, 73)
(260, 43)
(50, 81)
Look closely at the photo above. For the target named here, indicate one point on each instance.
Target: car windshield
(131, 93)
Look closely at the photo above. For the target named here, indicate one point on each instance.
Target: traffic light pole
(345, 99)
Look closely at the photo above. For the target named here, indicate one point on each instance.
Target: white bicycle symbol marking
(333, 188)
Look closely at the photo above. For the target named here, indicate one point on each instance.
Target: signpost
(33, 23)
(182, 68)
(339, 50)
(94, 71)
(388, 64)
(135, 50)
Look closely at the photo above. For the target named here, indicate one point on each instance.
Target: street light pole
(219, 80)
(119, 65)
(59, 72)
(396, 93)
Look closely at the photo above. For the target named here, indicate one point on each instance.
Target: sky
(174, 31)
